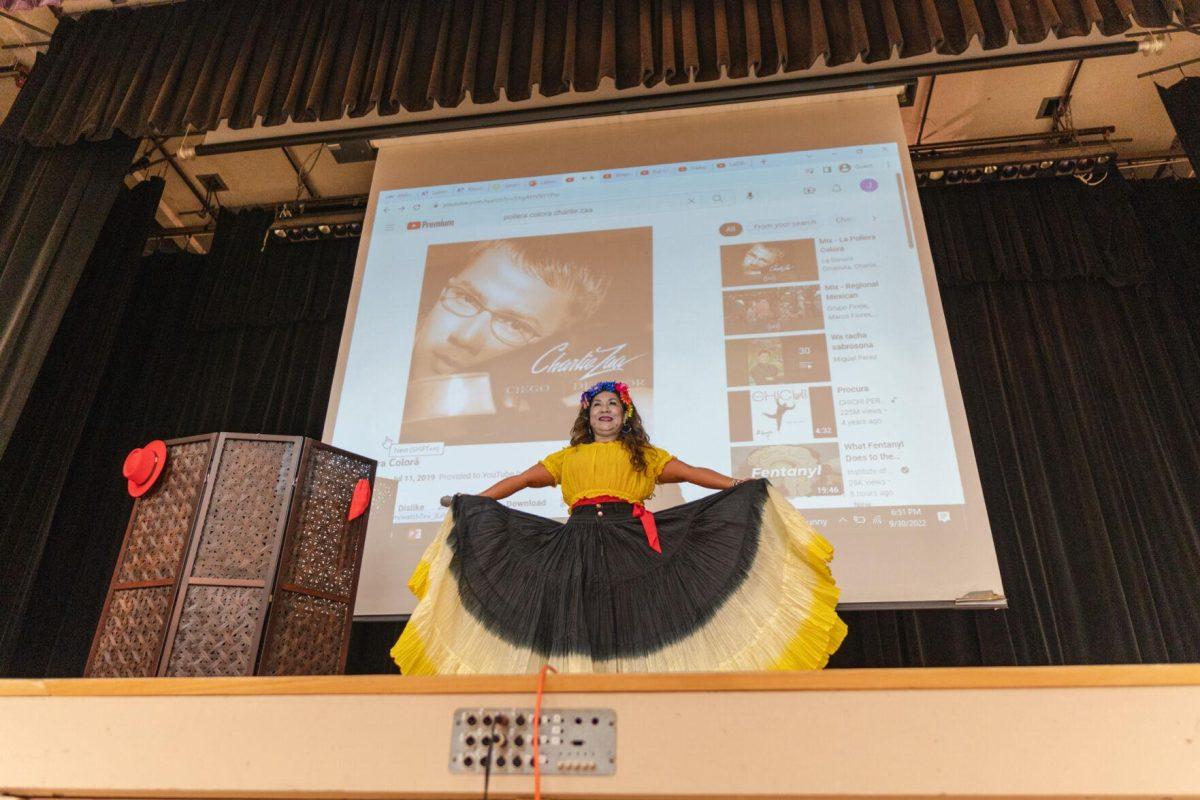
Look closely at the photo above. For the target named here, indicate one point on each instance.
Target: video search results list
(832, 373)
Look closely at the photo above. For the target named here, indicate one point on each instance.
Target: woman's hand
(676, 471)
(535, 476)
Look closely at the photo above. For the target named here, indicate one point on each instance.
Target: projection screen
(758, 273)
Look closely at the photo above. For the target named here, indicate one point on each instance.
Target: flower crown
(619, 388)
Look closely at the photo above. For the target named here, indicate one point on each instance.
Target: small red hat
(360, 499)
(143, 466)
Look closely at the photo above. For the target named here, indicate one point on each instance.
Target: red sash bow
(639, 511)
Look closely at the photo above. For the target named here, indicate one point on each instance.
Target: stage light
(921, 178)
(954, 176)
(355, 228)
(936, 175)
(1101, 159)
(1008, 172)
(341, 229)
(1085, 164)
(310, 232)
(1045, 165)
(1065, 166)
(294, 234)
(973, 174)
(990, 169)
(280, 233)
(324, 229)
(1028, 170)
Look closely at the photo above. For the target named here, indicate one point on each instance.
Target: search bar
(621, 206)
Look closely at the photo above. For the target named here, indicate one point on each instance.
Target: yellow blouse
(603, 468)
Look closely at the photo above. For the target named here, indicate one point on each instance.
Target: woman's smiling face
(606, 416)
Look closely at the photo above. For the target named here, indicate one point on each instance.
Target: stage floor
(1116, 731)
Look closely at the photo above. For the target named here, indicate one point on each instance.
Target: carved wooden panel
(233, 561)
(306, 635)
(318, 575)
(131, 634)
(247, 508)
(137, 611)
(240, 526)
(163, 517)
(217, 632)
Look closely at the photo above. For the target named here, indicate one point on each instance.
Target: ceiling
(953, 107)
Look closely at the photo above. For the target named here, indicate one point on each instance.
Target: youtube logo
(421, 224)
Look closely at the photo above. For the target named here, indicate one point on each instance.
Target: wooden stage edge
(1116, 675)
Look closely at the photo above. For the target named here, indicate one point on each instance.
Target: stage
(1113, 731)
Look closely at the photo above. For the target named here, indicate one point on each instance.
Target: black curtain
(54, 201)
(47, 433)
(1079, 357)
(1182, 101)
(1070, 314)
(171, 67)
(243, 339)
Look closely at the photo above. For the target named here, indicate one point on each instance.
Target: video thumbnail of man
(787, 261)
(773, 310)
(776, 359)
(511, 330)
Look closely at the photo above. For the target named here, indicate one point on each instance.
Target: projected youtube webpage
(768, 313)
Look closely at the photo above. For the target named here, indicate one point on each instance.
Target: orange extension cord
(537, 731)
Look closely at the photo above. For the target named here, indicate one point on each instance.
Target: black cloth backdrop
(1182, 101)
(243, 339)
(171, 67)
(47, 433)
(53, 202)
(1079, 356)
(1070, 316)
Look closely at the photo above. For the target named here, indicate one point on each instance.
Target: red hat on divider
(143, 466)
(360, 499)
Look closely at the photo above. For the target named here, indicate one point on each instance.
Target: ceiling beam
(24, 24)
(183, 176)
(925, 110)
(24, 45)
(961, 144)
(301, 174)
(1063, 111)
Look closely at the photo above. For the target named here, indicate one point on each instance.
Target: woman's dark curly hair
(632, 437)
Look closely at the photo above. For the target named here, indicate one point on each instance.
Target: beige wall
(1049, 732)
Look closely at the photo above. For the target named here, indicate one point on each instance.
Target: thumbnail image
(509, 331)
(773, 310)
(800, 470)
(778, 414)
(776, 360)
(749, 263)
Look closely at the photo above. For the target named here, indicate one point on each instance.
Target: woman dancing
(737, 580)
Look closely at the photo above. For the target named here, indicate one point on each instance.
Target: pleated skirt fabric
(743, 583)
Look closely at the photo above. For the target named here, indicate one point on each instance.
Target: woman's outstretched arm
(678, 472)
(537, 475)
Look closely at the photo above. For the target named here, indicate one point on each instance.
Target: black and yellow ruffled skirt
(742, 583)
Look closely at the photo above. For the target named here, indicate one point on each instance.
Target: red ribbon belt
(639, 511)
